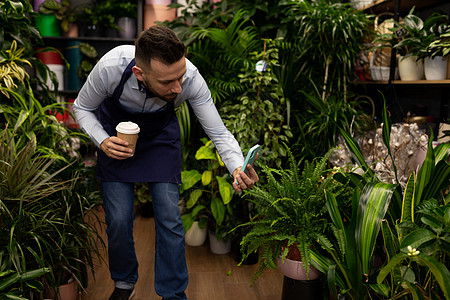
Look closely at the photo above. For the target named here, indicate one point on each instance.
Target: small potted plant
(209, 202)
(125, 15)
(64, 13)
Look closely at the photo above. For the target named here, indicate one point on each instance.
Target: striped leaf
(439, 181)
(333, 210)
(425, 172)
(441, 152)
(373, 204)
(408, 200)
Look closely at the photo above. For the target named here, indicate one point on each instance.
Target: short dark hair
(159, 43)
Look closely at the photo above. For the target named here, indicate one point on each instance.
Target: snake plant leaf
(373, 204)
(416, 238)
(408, 199)
(425, 172)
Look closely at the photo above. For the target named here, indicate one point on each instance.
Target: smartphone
(250, 159)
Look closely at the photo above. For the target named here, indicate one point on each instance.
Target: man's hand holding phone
(245, 177)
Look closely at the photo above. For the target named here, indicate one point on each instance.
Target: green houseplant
(292, 213)
(208, 202)
(349, 264)
(43, 198)
(64, 12)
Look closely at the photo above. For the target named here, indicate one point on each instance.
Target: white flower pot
(218, 246)
(196, 236)
(435, 68)
(410, 69)
(294, 269)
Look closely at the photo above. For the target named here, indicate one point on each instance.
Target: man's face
(161, 79)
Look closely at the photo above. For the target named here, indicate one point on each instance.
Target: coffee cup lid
(128, 128)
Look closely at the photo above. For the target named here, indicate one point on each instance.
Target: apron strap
(125, 75)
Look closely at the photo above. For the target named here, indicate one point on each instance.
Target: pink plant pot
(294, 269)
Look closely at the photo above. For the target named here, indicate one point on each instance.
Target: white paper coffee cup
(128, 131)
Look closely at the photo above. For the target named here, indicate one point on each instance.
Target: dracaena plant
(418, 245)
(208, 192)
(349, 264)
(291, 212)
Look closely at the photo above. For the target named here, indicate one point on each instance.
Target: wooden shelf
(405, 5)
(413, 82)
(85, 38)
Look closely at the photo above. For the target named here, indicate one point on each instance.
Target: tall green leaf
(356, 153)
(408, 200)
(387, 123)
(373, 204)
(425, 172)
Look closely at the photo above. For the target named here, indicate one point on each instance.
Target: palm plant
(221, 53)
(43, 213)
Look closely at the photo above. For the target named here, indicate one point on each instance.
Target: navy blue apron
(158, 149)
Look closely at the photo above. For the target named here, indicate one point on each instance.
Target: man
(143, 84)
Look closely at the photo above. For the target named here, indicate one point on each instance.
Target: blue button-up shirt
(105, 77)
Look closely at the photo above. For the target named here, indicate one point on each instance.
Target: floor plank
(211, 276)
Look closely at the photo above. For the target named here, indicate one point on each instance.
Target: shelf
(405, 5)
(413, 82)
(85, 38)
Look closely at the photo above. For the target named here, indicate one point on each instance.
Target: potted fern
(292, 214)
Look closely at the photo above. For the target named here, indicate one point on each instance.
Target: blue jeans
(171, 275)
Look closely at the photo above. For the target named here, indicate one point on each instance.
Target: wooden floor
(211, 276)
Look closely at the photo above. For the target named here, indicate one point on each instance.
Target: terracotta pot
(67, 291)
(196, 236)
(294, 269)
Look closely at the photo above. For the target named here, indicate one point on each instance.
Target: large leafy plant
(292, 212)
(349, 264)
(261, 114)
(208, 202)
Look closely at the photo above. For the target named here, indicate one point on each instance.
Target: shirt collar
(143, 89)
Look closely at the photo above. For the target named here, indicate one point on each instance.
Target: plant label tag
(261, 66)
